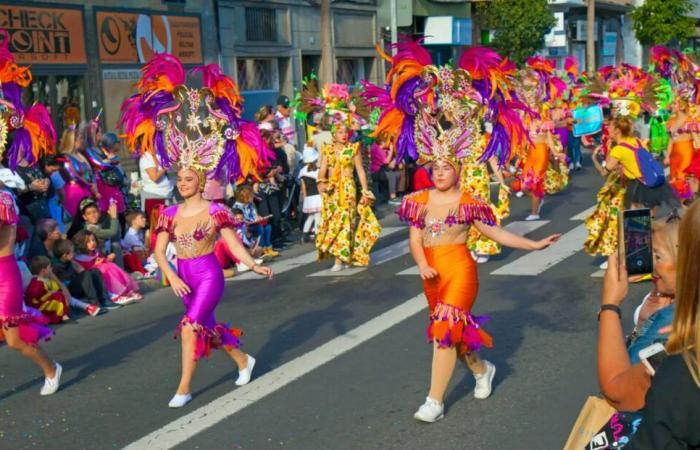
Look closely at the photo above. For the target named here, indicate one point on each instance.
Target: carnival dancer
(348, 228)
(222, 145)
(34, 136)
(76, 171)
(539, 87)
(105, 163)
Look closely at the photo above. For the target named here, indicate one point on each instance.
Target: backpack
(652, 172)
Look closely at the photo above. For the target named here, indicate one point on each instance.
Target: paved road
(342, 360)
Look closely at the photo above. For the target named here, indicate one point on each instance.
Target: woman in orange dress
(440, 219)
(683, 130)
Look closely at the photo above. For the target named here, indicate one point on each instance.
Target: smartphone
(636, 235)
(652, 357)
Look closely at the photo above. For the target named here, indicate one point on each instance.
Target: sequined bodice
(442, 226)
(194, 236)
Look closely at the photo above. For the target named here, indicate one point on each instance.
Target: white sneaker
(482, 389)
(430, 411)
(532, 217)
(245, 374)
(482, 259)
(519, 194)
(51, 384)
(179, 400)
(571, 167)
(604, 266)
(338, 267)
(579, 166)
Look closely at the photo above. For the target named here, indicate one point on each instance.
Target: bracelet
(322, 181)
(610, 307)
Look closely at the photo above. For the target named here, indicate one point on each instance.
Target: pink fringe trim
(165, 223)
(533, 183)
(414, 212)
(32, 327)
(451, 326)
(8, 213)
(224, 219)
(209, 338)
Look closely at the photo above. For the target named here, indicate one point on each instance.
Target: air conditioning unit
(581, 31)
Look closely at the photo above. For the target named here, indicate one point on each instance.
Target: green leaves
(663, 21)
(519, 26)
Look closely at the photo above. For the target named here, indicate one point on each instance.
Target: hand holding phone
(635, 241)
(652, 357)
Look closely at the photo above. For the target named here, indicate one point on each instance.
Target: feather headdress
(33, 132)
(213, 138)
(339, 103)
(628, 89)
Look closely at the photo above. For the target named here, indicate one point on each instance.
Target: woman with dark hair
(79, 177)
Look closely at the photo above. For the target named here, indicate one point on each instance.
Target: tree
(663, 21)
(519, 26)
(326, 70)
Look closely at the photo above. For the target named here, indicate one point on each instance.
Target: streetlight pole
(590, 37)
(394, 25)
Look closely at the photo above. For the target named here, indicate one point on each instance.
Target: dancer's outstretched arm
(509, 239)
(240, 252)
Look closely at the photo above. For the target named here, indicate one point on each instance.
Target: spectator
(623, 379)
(133, 244)
(33, 200)
(52, 168)
(120, 285)
(384, 168)
(227, 260)
(157, 187)
(265, 117)
(422, 178)
(673, 403)
(46, 234)
(45, 292)
(108, 173)
(255, 223)
(81, 283)
(77, 173)
(106, 228)
(284, 121)
(311, 198)
(215, 189)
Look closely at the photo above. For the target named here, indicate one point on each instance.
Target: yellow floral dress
(475, 182)
(347, 230)
(602, 224)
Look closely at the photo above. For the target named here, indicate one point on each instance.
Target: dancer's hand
(264, 271)
(179, 287)
(428, 273)
(546, 242)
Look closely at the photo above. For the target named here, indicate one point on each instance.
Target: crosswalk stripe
(534, 263)
(598, 274)
(378, 257)
(583, 215)
(285, 265)
(189, 425)
(521, 227)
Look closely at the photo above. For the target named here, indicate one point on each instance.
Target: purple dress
(194, 239)
(79, 179)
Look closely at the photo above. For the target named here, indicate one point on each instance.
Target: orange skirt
(535, 169)
(680, 158)
(450, 299)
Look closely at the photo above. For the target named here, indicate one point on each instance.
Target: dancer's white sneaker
(482, 259)
(430, 411)
(519, 194)
(338, 267)
(532, 217)
(482, 389)
(179, 400)
(245, 374)
(51, 385)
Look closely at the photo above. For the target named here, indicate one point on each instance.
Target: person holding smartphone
(672, 407)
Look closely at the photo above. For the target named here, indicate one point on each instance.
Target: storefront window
(349, 70)
(257, 74)
(63, 96)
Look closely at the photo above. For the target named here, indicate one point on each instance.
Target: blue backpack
(652, 172)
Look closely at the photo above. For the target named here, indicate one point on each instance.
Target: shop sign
(41, 35)
(133, 38)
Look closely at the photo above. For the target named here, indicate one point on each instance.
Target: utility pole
(394, 25)
(326, 69)
(590, 37)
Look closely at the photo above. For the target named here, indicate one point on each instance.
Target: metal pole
(394, 25)
(590, 37)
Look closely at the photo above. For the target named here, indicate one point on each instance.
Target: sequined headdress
(199, 129)
(339, 103)
(628, 89)
(419, 99)
(33, 133)
(679, 70)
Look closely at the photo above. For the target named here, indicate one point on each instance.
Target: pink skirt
(117, 281)
(31, 324)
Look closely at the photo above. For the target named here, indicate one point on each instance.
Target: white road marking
(189, 425)
(521, 227)
(583, 215)
(285, 265)
(534, 263)
(598, 274)
(378, 257)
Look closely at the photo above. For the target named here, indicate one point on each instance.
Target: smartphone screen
(656, 359)
(636, 225)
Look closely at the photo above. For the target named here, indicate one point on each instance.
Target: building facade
(271, 46)
(87, 54)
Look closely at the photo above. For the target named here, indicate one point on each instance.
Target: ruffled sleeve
(222, 217)
(472, 210)
(413, 209)
(8, 210)
(166, 221)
